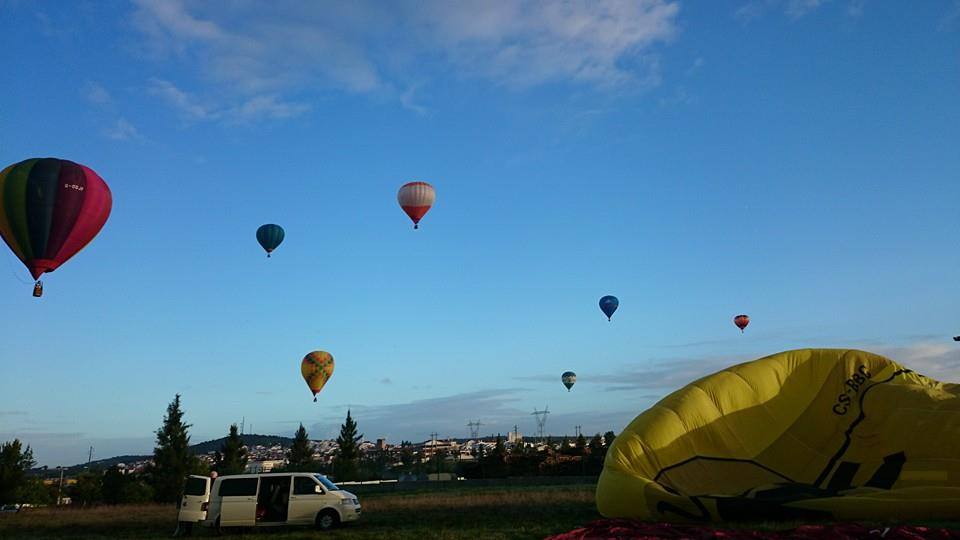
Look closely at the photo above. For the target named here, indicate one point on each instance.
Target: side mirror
(318, 489)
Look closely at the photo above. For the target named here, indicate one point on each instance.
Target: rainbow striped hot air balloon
(49, 210)
(416, 198)
(317, 368)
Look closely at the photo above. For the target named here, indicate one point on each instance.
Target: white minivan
(264, 500)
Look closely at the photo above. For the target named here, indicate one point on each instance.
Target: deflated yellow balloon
(813, 433)
(317, 368)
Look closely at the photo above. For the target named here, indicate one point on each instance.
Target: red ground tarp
(626, 528)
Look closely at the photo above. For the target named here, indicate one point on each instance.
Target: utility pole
(243, 421)
(436, 454)
(89, 457)
(577, 428)
(60, 485)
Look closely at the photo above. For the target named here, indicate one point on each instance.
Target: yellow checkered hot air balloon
(317, 368)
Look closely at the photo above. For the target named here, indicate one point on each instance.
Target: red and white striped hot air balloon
(416, 198)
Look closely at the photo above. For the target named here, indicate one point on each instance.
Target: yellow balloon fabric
(317, 368)
(806, 434)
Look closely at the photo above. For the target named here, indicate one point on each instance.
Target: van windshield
(327, 483)
(195, 486)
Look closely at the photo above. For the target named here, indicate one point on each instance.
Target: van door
(196, 497)
(273, 499)
(307, 499)
(238, 504)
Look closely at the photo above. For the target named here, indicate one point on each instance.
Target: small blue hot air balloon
(609, 304)
(270, 236)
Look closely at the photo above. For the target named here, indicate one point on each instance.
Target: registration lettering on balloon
(853, 386)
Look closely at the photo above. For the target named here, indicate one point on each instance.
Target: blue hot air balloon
(609, 304)
(270, 236)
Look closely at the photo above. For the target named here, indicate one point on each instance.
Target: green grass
(494, 513)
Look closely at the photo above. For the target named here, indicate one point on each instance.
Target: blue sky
(794, 160)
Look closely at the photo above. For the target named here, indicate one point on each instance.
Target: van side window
(303, 485)
(238, 487)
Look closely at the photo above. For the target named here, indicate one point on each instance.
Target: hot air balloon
(416, 198)
(741, 321)
(829, 434)
(956, 338)
(609, 304)
(270, 236)
(317, 368)
(49, 210)
(568, 378)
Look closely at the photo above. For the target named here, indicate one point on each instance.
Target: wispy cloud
(855, 8)
(252, 57)
(122, 130)
(694, 67)
(951, 17)
(95, 93)
(13, 413)
(386, 380)
(255, 108)
(446, 415)
(522, 44)
(937, 359)
(183, 102)
(940, 360)
(794, 9)
(799, 8)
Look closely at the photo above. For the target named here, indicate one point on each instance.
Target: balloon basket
(38, 289)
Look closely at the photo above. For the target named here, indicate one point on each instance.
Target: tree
(111, 486)
(596, 445)
(232, 458)
(172, 458)
(608, 438)
(493, 465)
(345, 462)
(406, 454)
(15, 461)
(87, 490)
(33, 491)
(300, 455)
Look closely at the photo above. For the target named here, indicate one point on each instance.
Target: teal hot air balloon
(609, 304)
(270, 236)
(568, 378)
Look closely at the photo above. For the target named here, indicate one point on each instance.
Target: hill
(199, 449)
(249, 440)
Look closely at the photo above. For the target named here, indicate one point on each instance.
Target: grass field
(494, 513)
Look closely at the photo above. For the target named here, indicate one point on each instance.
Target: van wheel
(327, 519)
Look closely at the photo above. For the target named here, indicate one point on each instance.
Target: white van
(265, 500)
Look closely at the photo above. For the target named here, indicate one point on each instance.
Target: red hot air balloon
(49, 210)
(741, 321)
(416, 198)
